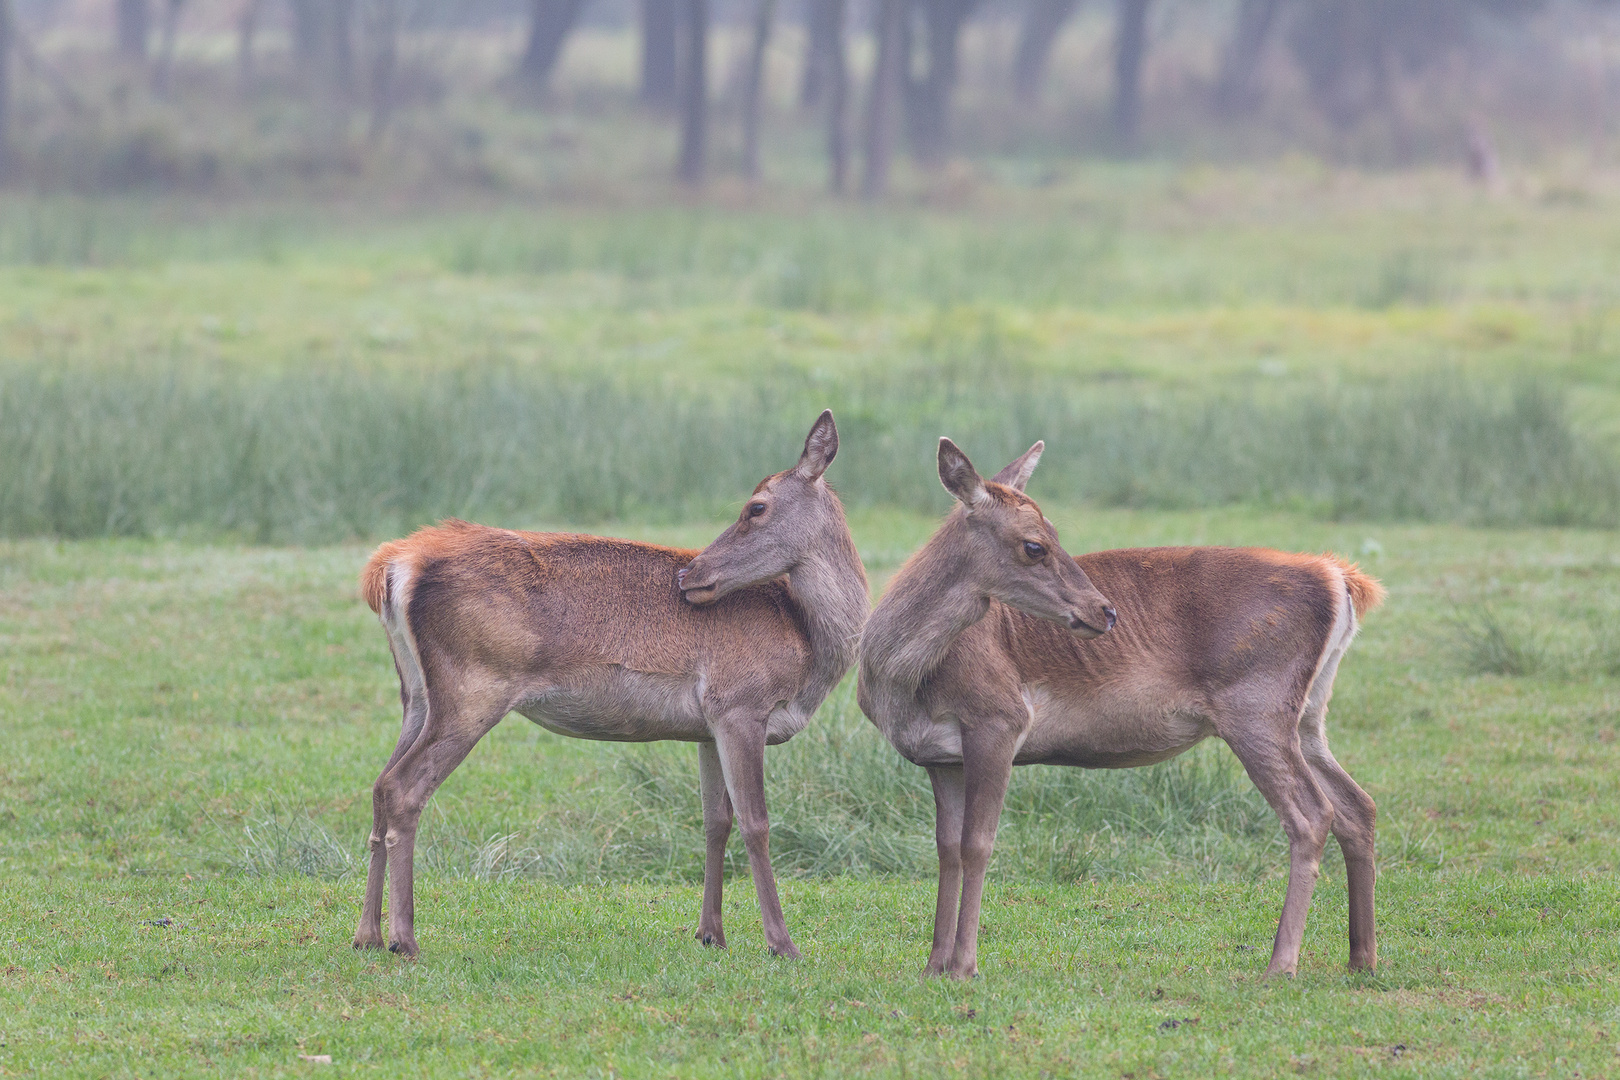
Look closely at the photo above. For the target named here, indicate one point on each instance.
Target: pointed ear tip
(1040, 445)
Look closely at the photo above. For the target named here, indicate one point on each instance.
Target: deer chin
(701, 596)
(1082, 629)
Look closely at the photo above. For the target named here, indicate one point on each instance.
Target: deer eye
(756, 509)
(1034, 550)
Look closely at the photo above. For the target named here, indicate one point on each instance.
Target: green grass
(1321, 361)
(1395, 348)
(194, 730)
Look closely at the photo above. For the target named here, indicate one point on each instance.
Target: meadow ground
(195, 728)
(206, 413)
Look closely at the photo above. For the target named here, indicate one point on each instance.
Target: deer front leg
(987, 757)
(716, 832)
(741, 747)
(950, 799)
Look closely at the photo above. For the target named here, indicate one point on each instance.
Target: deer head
(790, 518)
(1012, 553)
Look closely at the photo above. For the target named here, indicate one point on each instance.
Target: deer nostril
(680, 577)
(1111, 615)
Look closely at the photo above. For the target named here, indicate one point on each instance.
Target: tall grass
(842, 803)
(314, 456)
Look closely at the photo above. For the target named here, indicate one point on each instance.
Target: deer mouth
(1080, 628)
(694, 593)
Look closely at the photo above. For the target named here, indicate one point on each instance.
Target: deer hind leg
(716, 832)
(950, 800)
(413, 700)
(1354, 817)
(987, 757)
(449, 732)
(1270, 753)
(740, 745)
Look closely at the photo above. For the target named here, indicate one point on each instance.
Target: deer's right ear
(1018, 471)
(959, 476)
(820, 447)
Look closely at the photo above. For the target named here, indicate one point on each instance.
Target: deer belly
(1101, 733)
(926, 740)
(619, 705)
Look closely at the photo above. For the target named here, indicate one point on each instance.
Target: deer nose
(1111, 615)
(680, 577)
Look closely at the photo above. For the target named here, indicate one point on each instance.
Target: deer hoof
(404, 949)
(367, 941)
(714, 940)
(789, 951)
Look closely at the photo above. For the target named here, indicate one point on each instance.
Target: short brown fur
(975, 661)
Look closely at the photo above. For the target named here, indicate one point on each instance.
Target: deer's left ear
(820, 447)
(1017, 472)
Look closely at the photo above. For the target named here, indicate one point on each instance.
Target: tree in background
(754, 85)
(694, 91)
(308, 34)
(1130, 48)
(1237, 86)
(133, 21)
(549, 24)
(382, 36)
(659, 64)
(247, 28)
(928, 99)
(818, 35)
(1043, 22)
(7, 48)
(883, 98)
(166, 37)
(836, 80)
(1351, 50)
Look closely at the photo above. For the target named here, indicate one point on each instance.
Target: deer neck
(829, 586)
(927, 606)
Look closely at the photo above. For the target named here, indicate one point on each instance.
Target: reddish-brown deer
(992, 647)
(731, 648)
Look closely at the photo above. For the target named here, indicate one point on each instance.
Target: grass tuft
(1487, 646)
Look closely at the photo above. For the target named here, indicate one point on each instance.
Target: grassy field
(207, 412)
(194, 732)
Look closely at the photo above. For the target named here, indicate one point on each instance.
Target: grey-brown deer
(992, 647)
(731, 648)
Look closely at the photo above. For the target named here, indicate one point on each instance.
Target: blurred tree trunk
(382, 34)
(307, 35)
(883, 99)
(659, 66)
(1043, 22)
(818, 40)
(1237, 87)
(1130, 45)
(549, 24)
(166, 36)
(247, 27)
(342, 46)
(754, 87)
(7, 48)
(694, 90)
(837, 86)
(134, 25)
(929, 99)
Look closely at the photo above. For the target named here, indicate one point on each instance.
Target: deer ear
(959, 476)
(820, 447)
(1016, 474)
